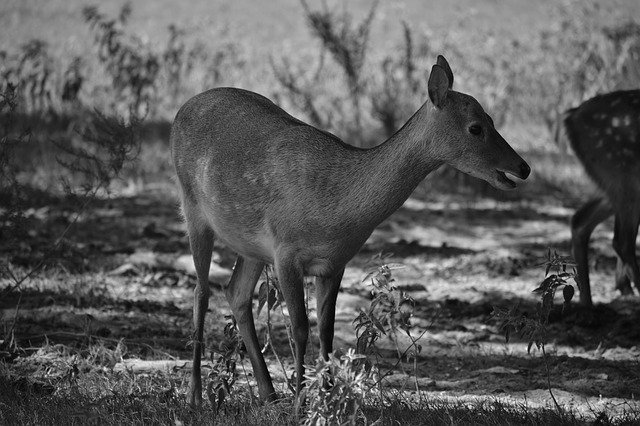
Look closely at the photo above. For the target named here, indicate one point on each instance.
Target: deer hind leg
(326, 295)
(583, 223)
(624, 243)
(291, 278)
(201, 240)
(623, 283)
(239, 292)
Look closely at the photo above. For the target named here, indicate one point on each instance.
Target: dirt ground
(126, 274)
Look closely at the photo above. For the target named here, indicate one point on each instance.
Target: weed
(131, 65)
(224, 372)
(534, 330)
(336, 389)
(388, 314)
(402, 86)
(109, 143)
(11, 215)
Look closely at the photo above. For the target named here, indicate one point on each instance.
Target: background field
(115, 290)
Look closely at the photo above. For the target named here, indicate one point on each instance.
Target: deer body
(604, 132)
(278, 191)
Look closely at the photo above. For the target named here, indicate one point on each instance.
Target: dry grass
(98, 396)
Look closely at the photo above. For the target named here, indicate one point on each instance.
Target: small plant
(31, 71)
(131, 65)
(109, 143)
(335, 389)
(348, 45)
(388, 314)
(534, 330)
(402, 87)
(10, 138)
(224, 373)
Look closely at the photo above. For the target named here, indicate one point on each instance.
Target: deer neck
(391, 171)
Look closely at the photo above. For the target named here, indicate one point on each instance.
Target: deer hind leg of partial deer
(624, 243)
(623, 282)
(583, 223)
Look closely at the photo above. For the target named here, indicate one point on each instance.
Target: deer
(280, 192)
(604, 133)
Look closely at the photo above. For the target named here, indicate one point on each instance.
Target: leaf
(393, 266)
(263, 294)
(369, 275)
(378, 325)
(220, 398)
(272, 298)
(567, 292)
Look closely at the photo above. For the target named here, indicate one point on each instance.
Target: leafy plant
(224, 373)
(131, 65)
(402, 88)
(336, 389)
(534, 330)
(388, 314)
(108, 143)
(348, 44)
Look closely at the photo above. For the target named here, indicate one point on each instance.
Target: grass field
(99, 332)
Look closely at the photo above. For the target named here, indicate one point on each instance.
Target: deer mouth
(504, 181)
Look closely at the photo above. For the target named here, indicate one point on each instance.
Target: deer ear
(447, 69)
(438, 86)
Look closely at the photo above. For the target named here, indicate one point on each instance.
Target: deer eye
(475, 129)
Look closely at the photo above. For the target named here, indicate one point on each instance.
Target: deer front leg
(290, 276)
(326, 295)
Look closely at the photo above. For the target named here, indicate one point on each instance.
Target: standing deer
(278, 191)
(604, 132)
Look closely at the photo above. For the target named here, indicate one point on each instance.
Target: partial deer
(278, 191)
(604, 133)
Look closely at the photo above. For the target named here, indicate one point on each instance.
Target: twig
(398, 361)
(83, 336)
(13, 324)
(246, 376)
(546, 364)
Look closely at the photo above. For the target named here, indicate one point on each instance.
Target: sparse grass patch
(121, 398)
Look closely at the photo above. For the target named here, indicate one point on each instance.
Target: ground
(130, 284)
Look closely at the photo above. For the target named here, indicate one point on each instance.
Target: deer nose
(525, 170)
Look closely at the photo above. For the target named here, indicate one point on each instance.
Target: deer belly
(245, 237)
